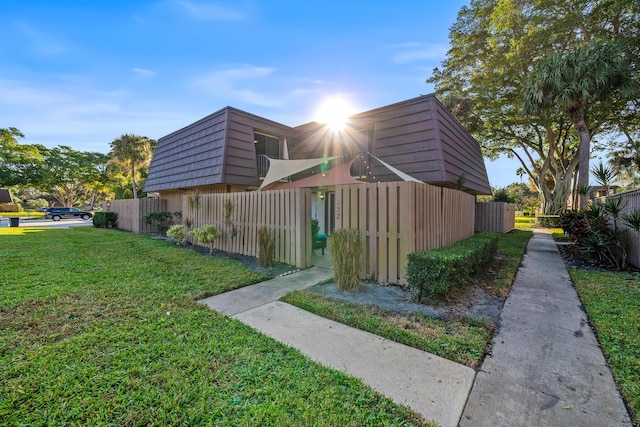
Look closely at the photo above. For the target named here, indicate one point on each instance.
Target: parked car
(57, 214)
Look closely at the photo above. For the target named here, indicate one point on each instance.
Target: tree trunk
(584, 153)
(133, 180)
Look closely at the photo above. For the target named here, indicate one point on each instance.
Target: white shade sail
(279, 169)
(404, 176)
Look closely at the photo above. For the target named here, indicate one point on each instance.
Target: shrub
(549, 221)
(574, 224)
(266, 246)
(346, 250)
(502, 195)
(597, 230)
(439, 270)
(162, 220)
(10, 207)
(206, 235)
(176, 231)
(105, 220)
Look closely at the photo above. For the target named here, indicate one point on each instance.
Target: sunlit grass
(525, 222)
(100, 327)
(22, 214)
(612, 302)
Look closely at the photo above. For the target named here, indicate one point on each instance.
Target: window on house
(268, 145)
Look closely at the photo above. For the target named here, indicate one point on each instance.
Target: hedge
(549, 221)
(105, 219)
(437, 271)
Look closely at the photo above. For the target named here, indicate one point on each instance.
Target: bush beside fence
(437, 271)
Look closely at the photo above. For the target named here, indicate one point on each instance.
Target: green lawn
(461, 340)
(525, 222)
(22, 214)
(99, 327)
(513, 246)
(612, 302)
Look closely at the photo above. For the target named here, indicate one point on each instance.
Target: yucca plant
(206, 235)
(583, 190)
(606, 247)
(614, 206)
(347, 250)
(604, 175)
(266, 246)
(194, 201)
(633, 220)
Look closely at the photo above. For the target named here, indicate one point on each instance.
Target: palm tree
(573, 82)
(132, 150)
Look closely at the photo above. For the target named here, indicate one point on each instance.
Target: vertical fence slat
(372, 225)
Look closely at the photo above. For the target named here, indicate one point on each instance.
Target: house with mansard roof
(232, 150)
(235, 151)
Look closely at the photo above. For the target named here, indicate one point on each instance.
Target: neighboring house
(6, 201)
(227, 151)
(5, 196)
(597, 191)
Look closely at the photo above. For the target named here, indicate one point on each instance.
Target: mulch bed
(577, 259)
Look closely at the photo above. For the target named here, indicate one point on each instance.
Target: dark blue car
(57, 214)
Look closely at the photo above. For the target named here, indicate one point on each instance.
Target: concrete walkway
(546, 368)
(435, 387)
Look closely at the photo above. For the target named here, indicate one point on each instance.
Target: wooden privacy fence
(287, 214)
(632, 239)
(397, 218)
(498, 217)
(131, 212)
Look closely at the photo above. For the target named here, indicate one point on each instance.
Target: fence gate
(397, 218)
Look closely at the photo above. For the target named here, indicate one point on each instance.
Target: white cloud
(416, 52)
(81, 117)
(142, 73)
(235, 84)
(39, 42)
(207, 11)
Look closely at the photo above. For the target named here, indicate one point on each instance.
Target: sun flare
(334, 112)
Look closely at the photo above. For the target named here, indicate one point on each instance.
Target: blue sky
(81, 73)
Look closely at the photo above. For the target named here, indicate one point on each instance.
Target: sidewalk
(435, 387)
(546, 367)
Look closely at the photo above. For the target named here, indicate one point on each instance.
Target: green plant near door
(347, 251)
(229, 220)
(315, 229)
(266, 246)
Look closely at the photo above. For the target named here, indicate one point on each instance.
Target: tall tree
(18, 162)
(69, 175)
(133, 151)
(495, 44)
(574, 82)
